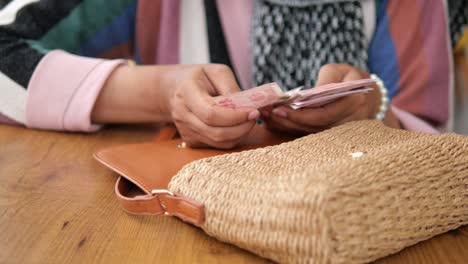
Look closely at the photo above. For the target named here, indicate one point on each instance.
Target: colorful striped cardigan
(50, 74)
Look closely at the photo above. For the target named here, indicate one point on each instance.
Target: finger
(331, 73)
(283, 128)
(222, 78)
(318, 116)
(353, 74)
(372, 98)
(289, 126)
(205, 108)
(197, 140)
(270, 125)
(216, 134)
(358, 115)
(344, 107)
(352, 117)
(265, 113)
(330, 113)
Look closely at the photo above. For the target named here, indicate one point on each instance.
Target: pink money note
(317, 101)
(257, 97)
(271, 94)
(335, 87)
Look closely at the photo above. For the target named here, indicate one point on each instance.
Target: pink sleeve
(236, 18)
(412, 122)
(63, 90)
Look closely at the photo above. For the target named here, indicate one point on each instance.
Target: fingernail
(254, 115)
(280, 113)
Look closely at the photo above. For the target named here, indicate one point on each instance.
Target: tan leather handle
(153, 201)
(162, 202)
(168, 132)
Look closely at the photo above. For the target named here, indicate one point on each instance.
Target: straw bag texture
(351, 194)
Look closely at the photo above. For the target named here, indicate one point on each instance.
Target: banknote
(335, 88)
(257, 97)
(272, 94)
(327, 98)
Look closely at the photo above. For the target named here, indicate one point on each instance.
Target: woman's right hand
(182, 94)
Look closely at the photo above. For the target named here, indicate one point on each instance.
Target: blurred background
(461, 91)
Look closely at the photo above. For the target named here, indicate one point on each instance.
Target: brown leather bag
(350, 194)
(150, 167)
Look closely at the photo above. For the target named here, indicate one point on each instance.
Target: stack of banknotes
(271, 94)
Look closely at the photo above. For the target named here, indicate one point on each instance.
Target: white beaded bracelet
(384, 101)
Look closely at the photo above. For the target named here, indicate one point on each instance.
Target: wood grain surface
(57, 206)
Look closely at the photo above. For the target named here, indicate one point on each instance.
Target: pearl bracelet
(384, 101)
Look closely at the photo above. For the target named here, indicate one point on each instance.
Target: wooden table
(57, 206)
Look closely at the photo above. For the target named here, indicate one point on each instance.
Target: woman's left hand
(349, 108)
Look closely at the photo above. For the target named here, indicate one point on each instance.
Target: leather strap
(163, 201)
(159, 202)
(149, 167)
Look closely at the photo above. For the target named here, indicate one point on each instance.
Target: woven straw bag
(351, 194)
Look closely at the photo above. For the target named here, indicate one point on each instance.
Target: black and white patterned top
(282, 53)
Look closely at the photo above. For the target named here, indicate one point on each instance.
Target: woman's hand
(178, 93)
(197, 117)
(349, 108)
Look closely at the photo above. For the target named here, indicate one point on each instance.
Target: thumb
(222, 78)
